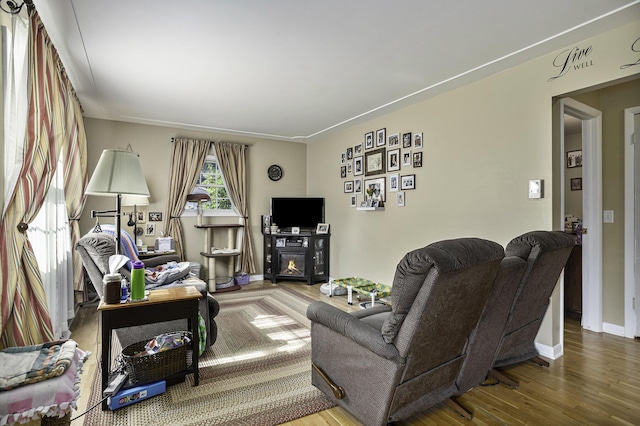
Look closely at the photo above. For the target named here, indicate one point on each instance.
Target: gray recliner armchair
(95, 250)
(384, 364)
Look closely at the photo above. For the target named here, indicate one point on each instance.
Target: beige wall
(153, 144)
(483, 142)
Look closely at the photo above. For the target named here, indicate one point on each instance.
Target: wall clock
(275, 172)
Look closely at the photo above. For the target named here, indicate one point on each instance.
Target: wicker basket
(154, 367)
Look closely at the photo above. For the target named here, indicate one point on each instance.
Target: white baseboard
(552, 352)
(617, 330)
(256, 277)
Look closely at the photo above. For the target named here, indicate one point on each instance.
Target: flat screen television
(305, 213)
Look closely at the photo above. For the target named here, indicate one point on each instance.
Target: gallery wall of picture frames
(382, 163)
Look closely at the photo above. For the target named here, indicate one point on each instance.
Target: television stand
(296, 257)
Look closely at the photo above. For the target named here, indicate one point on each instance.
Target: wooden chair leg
(459, 408)
(541, 362)
(503, 378)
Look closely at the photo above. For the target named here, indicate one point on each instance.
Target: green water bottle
(137, 281)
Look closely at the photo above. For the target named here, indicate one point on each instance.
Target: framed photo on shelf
(381, 137)
(394, 140)
(408, 182)
(322, 228)
(348, 186)
(374, 162)
(266, 224)
(393, 160)
(368, 140)
(417, 140)
(574, 159)
(374, 190)
(357, 165)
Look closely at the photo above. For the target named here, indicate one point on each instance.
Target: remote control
(116, 384)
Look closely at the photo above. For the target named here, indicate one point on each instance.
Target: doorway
(632, 221)
(591, 190)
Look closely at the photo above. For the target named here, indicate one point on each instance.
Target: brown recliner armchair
(384, 364)
(514, 311)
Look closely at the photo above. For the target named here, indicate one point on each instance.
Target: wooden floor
(596, 382)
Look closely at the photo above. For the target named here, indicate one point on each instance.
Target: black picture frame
(574, 159)
(408, 182)
(374, 162)
(368, 140)
(381, 137)
(576, 184)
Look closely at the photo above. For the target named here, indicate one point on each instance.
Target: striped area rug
(257, 373)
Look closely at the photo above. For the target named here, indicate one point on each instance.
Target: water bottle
(137, 281)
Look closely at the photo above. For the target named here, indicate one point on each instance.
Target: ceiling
(299, 69)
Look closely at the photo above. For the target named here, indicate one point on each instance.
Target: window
(211, 182)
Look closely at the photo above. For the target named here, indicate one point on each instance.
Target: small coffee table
(163, 305)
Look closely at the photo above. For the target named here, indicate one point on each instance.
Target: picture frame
(348, 186)
(374, 190)
(408, 182)
(368, 140)
(266, 224)
(574, 159)
(417, 159)
(357, 149)
(322, 228)
(349, 167)
(343, 171)
(406, 140)
(374, 162)
(343, 158)
(381, 137)
(358, 168)
(350, 153)
(576, 184)
(407, 159)
(400, 199)
(393, 159)
(353, 201)
(393, 182)
(150, 230)
(394, 140)
(357, 186)
(142, 216)
(155, 216)
(295, 230)
(417, 140)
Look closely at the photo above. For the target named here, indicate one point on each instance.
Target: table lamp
(135, 201)
(117, 173)
(198, 198)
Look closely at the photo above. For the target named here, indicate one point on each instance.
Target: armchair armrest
(351, 327)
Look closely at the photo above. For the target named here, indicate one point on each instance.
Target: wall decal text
(574, 58)
(635, 47)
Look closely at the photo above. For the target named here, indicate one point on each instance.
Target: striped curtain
(186, 164)
(232, 158)
(24, 317)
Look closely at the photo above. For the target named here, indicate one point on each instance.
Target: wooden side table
(163, 305)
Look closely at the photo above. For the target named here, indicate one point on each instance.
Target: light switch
(607, 216)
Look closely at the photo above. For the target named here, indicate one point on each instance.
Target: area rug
(257, 373)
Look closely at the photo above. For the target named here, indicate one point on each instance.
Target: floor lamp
(117, 173)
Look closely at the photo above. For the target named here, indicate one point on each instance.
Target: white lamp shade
(118, 172)
(134, 200)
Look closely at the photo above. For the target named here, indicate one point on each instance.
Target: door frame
(592, 315)
(630, 293)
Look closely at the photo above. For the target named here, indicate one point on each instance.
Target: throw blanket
(20, 366)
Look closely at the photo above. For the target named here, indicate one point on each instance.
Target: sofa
(95, 250)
